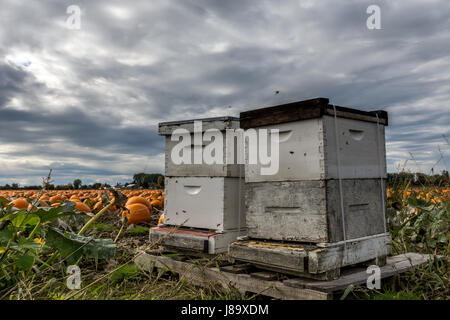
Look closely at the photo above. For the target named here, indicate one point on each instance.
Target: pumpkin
(136, 213)
(80, 206)
(98, 206)
(156, 204)
(42, 203)
(138, 199)
(20, 203)
(55, 199)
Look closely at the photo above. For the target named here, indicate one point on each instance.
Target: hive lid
(220, 123)
(303, 110)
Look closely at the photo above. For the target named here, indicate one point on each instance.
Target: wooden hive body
(212, 203)
(203, 200)
(301, 202)
(331, 158)
(199, 170)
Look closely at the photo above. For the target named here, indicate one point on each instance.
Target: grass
(139, 230)
(417, 226)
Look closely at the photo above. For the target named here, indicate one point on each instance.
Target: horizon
(86, 101)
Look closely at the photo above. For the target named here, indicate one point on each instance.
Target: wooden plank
(237, 268)
(179, 240)
(303, 110)
(355, 114)
(268, 254)
(265, 275)
(358, 275)
(331, 256)
(321, 261)
(220, 123)
(295, 111)
(206, 277)
(348, 113)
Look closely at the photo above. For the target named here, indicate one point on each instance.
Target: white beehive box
(308, 150)
(302, 201)
(199, 170)
(204, 207)
(294, 217)
(211, 203)
(310, 211)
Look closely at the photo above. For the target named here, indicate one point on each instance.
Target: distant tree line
(50, 186)
(156, 181)
(419, 179)
(148, 180)
(140, 181)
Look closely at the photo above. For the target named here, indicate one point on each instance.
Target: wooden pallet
(245, 277)
(320, 261)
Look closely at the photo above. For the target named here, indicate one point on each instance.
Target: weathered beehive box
(301, 202)
(199, 170)
(330, 158)
(307, 136)
(310, 211)
(212, 203)
(202, 201)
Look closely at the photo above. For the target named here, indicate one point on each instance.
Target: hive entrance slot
(356, 134)
(284, 136)
(192, 190)
(283, 210)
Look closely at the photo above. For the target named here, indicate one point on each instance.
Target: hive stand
(246, 278)
(321, 261)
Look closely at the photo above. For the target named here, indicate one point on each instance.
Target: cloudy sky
(87, 102)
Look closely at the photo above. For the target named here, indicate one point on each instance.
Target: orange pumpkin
(80, 206)
(20, 203)
(157, 204)
(42, 203)
(55, 199)
(138, 199)
(136, 213)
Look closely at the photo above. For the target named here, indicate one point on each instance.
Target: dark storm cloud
(87, 102)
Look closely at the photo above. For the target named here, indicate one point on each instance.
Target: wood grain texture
(191, 242)
(321, 261)
(358, 276)
(303, 110)
(204, 276)
(309, 211)
(292, 259)
(289, 289)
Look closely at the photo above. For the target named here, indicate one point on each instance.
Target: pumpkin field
(102, 231)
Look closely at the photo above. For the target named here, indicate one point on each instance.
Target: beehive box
(307, 137)
(211, 203)
(327, 154)
(301, 202)
(199, 170)
(204, 206)
(310, 211)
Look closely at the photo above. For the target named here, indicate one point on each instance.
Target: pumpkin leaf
(22, 218)
(419, 203)
(3, 202)
(66, 209)
(25, 261)
(25, 243)
(73, 246)
(5, 235)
